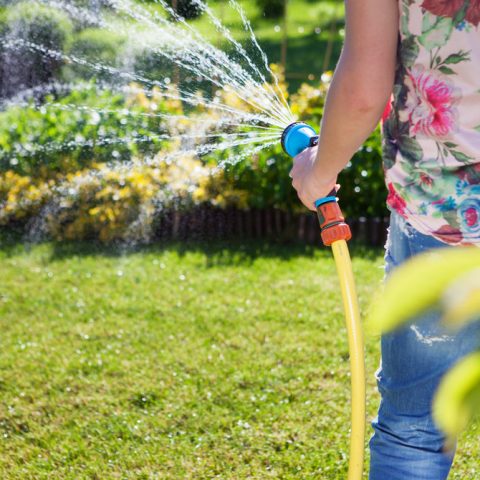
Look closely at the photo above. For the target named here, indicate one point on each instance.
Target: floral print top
(431, 129)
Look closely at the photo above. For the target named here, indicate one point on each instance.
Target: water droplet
(326, 77)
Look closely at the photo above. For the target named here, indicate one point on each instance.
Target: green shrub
(266, 180)
(59, 136)
(42, 25)
(98, 46)
(363, 192)
(271, 8)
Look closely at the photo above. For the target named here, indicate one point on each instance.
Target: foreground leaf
(418, 285)
(458, 397)
(461, 300)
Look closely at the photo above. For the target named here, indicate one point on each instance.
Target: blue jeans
(406, 444)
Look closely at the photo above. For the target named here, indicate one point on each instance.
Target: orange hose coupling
(332, 221)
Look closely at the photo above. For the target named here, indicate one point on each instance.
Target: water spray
(335, 233)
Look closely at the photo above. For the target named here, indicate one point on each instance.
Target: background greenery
(51, 143)
(84, 192)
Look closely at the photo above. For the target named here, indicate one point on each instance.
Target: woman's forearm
(361, 86)
(362, 83)
(352, 111)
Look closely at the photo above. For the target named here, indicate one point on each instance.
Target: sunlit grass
(179, 362)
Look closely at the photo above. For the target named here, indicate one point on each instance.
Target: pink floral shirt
(432, 127)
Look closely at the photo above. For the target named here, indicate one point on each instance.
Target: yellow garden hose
(357, 357)
(335, 232)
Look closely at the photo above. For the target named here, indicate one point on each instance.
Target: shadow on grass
(216, 251)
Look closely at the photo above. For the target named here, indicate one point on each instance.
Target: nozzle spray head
(297, 137)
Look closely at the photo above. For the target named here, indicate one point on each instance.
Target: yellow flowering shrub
(21, 197)
(219, 191)
(112, 203)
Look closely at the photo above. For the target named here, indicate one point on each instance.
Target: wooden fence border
(208, 223)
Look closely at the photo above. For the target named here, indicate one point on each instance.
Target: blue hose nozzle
(297, 137)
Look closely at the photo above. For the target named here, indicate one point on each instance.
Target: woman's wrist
(324, 173)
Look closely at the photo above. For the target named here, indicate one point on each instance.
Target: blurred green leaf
(461, 300)
(458, 397)
(420, 284)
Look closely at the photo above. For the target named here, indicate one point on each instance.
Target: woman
(427, 53)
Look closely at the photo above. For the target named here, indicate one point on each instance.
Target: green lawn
(181, 362)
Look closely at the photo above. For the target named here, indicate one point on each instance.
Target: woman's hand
(308, 181)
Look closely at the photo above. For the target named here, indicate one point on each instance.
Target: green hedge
(61, 128)
(104, 114)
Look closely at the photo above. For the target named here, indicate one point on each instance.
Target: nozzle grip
(331, 219)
